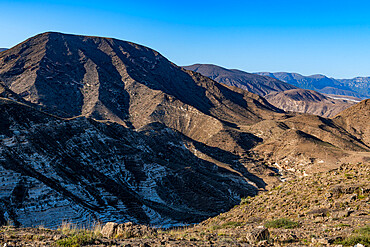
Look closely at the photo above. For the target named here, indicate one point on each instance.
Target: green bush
(78, 239)
(281, 223)
(361, 236)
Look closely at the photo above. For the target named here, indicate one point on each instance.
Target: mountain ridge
(324, 84)
(256, 84)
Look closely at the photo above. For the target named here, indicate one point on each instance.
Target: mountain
(308, 101)
(81, 169)
(102, 129)
(282, 95)
(324, 84)
(356, 120)
(3, 49)
(358, 84)
(260, 85)
(120, 115)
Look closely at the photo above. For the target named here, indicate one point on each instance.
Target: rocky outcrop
(258, 234)
(127, 230)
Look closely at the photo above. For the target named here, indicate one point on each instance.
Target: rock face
(101, 129)
(126, 230)
(308, 101)
(261, 85)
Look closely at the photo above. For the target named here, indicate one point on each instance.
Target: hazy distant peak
(258, 84)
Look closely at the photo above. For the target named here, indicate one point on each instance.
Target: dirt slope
(308, 101)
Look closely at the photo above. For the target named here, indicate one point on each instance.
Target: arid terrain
(279, 93)
(329, 208)
(96, 130)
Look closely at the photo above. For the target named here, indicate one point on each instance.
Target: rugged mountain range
(261, 85)
(3, 49)
(308, 101)
(282, 95)
(101, 129)
(358, 84)
(357, 87)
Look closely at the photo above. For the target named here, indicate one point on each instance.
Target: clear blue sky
(308, 37)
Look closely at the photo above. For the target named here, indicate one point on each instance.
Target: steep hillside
(323, 84)
(326, 209)
(83, 170)
(308, 101)
(356, 120)
(260, 85)
(115, 80)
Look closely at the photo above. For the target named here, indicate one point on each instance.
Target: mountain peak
(257, 84)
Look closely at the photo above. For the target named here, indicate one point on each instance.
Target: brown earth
(308, 101)
(122, 113)
(327, 208)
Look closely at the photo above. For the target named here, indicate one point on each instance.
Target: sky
(307, 37)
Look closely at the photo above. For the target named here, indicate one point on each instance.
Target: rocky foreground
(331, 208)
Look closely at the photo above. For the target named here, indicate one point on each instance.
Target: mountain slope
(153, 103)
(114, 131)
(356, 120)
(120, 81)
(321, 84)
(79, 169)
(359, 84)
(260, 85)
(308, 101)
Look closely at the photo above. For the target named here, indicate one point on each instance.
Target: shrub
(76, 240)
(281, 223)
(361, 236)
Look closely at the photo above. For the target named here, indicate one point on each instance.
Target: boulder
(126, 230)
(258, 234)
(109, 230)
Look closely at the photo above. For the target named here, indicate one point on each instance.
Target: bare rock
(109, 230)
(258, 234)
(126, 230)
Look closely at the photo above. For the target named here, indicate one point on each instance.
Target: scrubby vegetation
(281, 223)
(321, 209)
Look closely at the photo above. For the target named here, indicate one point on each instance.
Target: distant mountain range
(279, 93)
(3, 49)
(261, 85)
(356, 87)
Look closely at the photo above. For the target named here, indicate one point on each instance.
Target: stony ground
(331, 208)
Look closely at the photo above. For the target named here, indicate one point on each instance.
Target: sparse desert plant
(359, 236)
(76, 240)
(282, 223)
